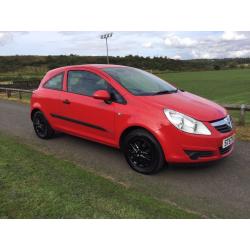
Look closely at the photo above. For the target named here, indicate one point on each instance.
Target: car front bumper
(181, 147)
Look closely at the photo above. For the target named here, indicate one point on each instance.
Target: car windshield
(140, 82)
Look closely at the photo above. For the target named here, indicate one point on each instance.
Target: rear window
(55, 82)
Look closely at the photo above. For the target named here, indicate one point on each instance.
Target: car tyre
(41, 126)
(143, 152)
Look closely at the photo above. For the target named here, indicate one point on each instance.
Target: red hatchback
(148, 118)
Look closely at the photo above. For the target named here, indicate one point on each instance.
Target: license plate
(228, 141)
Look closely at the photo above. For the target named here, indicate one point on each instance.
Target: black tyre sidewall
(160, 159)
(49, 131)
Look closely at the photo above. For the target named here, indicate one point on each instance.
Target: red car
(150, 120)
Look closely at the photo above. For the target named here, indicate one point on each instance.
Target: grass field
(36, 185)
(222, 86)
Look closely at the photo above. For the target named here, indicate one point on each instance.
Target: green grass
(15, 97)
(236, 115)
(36, 185)
(222, 86)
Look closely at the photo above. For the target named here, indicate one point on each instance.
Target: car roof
(96, 66)
(101, 66)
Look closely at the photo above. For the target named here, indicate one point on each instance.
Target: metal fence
(9, 92)
(240, 107)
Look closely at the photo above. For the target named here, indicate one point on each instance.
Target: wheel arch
(34, 110)
(129, 129)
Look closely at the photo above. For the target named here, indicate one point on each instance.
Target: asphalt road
(220, 189)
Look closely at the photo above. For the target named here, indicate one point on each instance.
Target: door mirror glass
(102, 95)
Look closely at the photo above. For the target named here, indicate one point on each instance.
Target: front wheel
(143, 152)
(41, 126)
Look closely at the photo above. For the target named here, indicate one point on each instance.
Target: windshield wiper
(165, 92)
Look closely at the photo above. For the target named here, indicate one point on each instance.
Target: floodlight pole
(106, 36)
(107, 50)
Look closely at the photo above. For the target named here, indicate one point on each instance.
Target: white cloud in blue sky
(177, 45)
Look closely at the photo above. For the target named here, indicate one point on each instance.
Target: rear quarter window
(56, 82)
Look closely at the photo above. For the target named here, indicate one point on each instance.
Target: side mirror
(102, 95)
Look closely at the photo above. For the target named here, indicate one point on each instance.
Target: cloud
(196, 53)
(179, 42)
(221, 45)
(233, 36)
(176, 57)
(147, 45)
(8, 36)
(240, 53)
(5, 37)
(176, 45)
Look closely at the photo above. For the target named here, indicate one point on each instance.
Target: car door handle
(66, 101)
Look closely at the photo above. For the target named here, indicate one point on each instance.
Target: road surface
(220, 189)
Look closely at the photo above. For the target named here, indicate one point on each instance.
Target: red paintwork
(139, 111)
(102, 95)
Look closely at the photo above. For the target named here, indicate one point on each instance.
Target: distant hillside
(32, 68)
(14, 63)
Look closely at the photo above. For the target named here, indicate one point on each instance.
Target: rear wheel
(143, 152)
(41, 126)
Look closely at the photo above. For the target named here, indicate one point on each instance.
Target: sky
(176, 45)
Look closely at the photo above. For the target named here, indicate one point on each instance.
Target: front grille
(225, 150)
(224, 125)
(223, 128)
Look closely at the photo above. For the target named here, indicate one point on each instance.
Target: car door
(81, 114)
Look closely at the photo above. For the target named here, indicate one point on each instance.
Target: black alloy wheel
(143, 152)
(41, 126)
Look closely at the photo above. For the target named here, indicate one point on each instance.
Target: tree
(216, 67)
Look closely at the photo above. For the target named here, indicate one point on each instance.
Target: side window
(85, 83)
(55, 82)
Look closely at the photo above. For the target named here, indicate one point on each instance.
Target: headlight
(186, 123)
